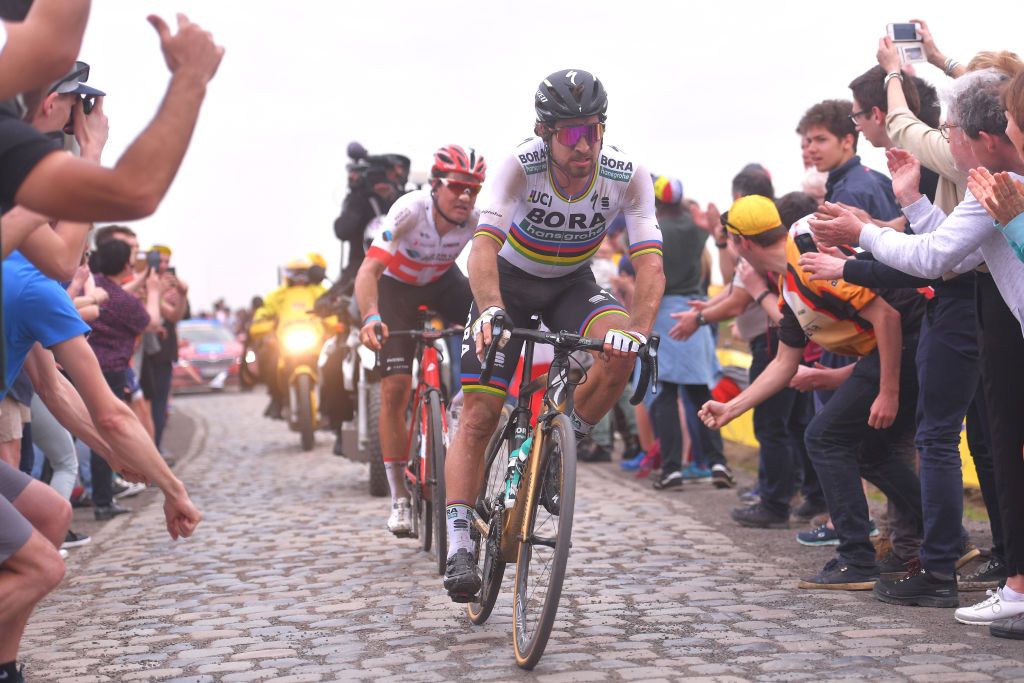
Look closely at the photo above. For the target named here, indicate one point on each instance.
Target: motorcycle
(359, 438)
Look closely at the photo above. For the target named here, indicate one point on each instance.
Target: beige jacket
(927, 144)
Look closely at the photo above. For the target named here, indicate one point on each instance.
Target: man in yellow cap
(871, 414)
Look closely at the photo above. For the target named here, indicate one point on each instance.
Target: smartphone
(907, 40)
(904, 33)
(153, 260)
(805, 243)
(172, 271)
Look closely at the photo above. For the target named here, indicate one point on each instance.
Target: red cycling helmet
(455, 159)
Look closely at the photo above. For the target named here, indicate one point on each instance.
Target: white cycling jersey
(548, 234)
(410, 245)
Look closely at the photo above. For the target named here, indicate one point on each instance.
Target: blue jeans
(779, 425)
(669, 431)
(843, 448)
(948, 373)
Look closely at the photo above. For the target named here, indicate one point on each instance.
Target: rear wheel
(435, 479)
(378, 475)
(540, 569)
(487, 551)
(304, 389)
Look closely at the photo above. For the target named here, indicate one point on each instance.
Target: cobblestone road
(292, 577)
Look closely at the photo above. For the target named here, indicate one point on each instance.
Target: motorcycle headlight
(300, 339)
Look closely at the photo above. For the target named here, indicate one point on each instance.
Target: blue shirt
(36, 309)
(855, 184)
(1014, 234)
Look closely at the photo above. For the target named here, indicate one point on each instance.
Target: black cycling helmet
(570, 94)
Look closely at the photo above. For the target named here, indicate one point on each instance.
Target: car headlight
(300, 339)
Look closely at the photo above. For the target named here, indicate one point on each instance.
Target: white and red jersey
(410, 245)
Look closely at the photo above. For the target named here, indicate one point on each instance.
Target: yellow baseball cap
(752, 215)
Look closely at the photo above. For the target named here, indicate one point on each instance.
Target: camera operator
(375, 182)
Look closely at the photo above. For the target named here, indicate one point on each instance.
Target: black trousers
(1002, 375)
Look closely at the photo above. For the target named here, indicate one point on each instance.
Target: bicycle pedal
(462, 597)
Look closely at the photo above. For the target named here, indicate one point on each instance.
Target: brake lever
(648, 370)
(497, 329)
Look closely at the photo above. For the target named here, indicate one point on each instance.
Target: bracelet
(891, 75)
(371, 318)
(761, 297)
(950, 65)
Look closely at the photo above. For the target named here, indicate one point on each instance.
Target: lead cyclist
(547, 211)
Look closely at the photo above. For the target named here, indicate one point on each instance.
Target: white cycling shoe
(400, 521)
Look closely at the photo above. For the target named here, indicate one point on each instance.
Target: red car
(208, 357)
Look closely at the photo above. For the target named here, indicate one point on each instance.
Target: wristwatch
(761, 297)
(700, 319)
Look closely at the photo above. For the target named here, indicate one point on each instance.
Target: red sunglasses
(571, 135)
(460, 187)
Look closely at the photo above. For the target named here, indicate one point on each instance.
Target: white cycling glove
(625, 340)
(485, 318)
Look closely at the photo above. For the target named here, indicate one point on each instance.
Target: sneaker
(968, 552)
(400, 521)
(988, 576)
(105, 512)
(990, 609)
(591, 451)
(749, 495)
(672, 480)
(836, 575)
(126, 489)
(918, 587)
(64, 554)
(74, 540)
(80, 498)
(633, 464)
(461, 578)
(759, 517)
(694, 472)
(807, 511)
(1011, 627)
(721, 477)
(891, 563)
(824, 535)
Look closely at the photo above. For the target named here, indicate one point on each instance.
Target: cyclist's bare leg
(394, 436)
(464, 462)
(606, 378)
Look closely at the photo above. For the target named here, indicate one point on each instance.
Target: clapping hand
(1000, 194)
(835, 226)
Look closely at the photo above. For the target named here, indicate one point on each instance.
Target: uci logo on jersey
(538, 197)
(574, 221)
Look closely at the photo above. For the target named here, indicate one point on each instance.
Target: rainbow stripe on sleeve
(491, 231)
(645, 247)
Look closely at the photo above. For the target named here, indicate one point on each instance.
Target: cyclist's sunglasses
(571, 135)
(460, 187)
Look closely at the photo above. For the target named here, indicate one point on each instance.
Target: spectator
(870, 415)
(158, 366)
(685, 365)
(122, 319)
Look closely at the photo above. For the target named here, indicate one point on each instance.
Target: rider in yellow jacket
(294, 299)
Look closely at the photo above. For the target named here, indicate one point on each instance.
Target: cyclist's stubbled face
(580, 160)
(453, 203)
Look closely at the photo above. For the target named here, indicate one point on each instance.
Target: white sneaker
(64, 554)
(400, 521)
(127, 489)
(995, 606)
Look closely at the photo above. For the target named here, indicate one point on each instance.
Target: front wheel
(540, 569)
(435, 479)
(378, 474)
(304, 401)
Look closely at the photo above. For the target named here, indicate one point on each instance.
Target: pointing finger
(161, 27)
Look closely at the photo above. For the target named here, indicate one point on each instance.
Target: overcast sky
(694, 91)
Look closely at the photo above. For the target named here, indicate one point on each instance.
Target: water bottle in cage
(516, 462)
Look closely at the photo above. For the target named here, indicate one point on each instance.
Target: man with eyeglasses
(411, 263)
(547, 212)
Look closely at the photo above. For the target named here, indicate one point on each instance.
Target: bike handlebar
(567, 341)
(429, 335)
